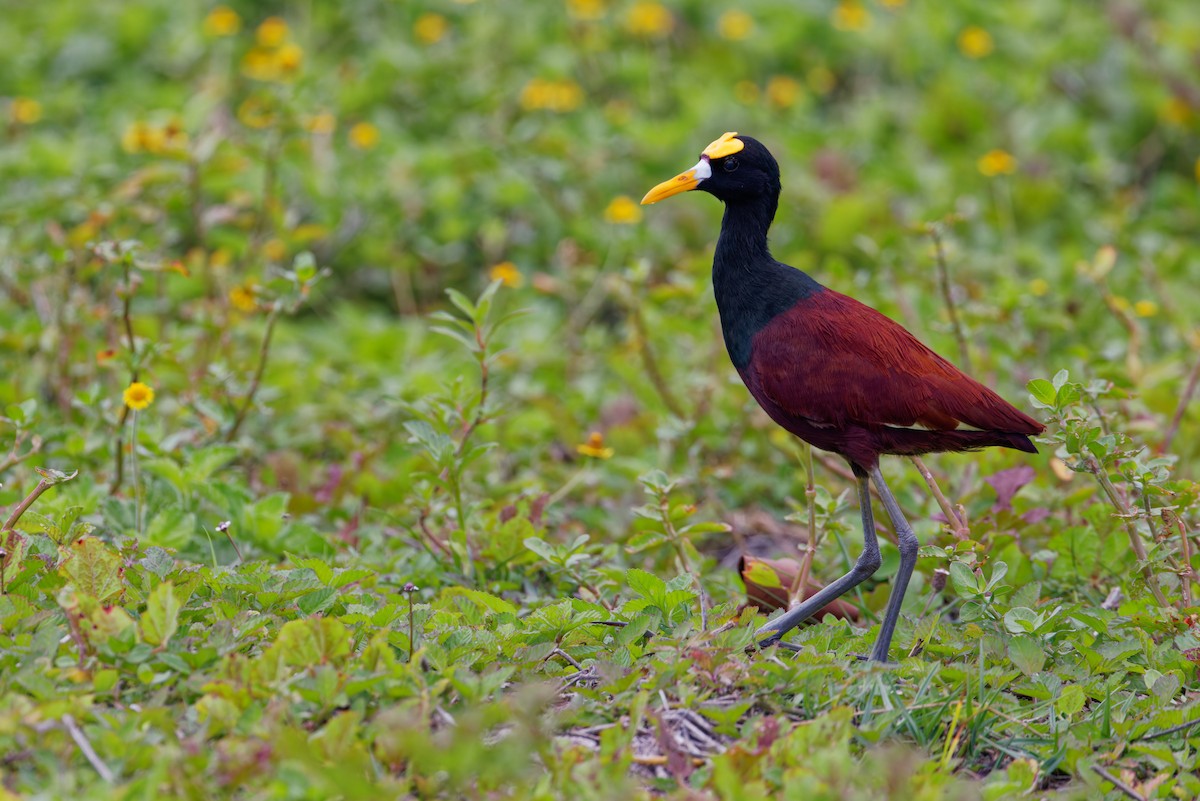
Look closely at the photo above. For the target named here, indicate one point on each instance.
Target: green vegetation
(307, 322)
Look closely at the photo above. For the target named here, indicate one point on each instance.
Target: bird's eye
(730, 164)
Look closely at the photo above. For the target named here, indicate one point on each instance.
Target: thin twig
(1135, 539)
(1184, 400)
(651, 363)
(566, 658)
(1120, 785)
(263, 351)
(935, 233)
(958, 526)
(796, 592)
(15, 458)
(1173, 730)
(89, 753)
(126, 302)
(41, 487)
(1185, 545)
(483, 393)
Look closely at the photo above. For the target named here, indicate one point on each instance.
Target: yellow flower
(274, 249)
(745, 92)
(565, 95)
(242, 298)
(586, 9)
(821, 80)
(649, 19)
(783, 91)
(138, 396)
(288, 59)
(142, 137)
(594, 447)
(363, 136)
(25, 110)
(735, 25)
(1119, 302)
(997, 162)
(623, 210)
(849, 15)
(222, 21)
(1039, 287)
(322, 122)
(256, 112)
(507, 272)
(430, 28)
(1145, 308)
(975, 42)
(272, 32)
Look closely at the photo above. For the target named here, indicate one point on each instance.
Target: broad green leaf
(760, 573)
(161, 618)
(1026, 654)
(94, 568)
(1070, 700)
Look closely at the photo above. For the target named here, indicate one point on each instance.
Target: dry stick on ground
(958, 526)
(935, 233)
(89, 753)
(796, 591)
(263, 351)
(1120, 785)
(1135, 539)
(1184, 400)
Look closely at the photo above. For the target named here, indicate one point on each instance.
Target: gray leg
(908, 543)
(863, 569)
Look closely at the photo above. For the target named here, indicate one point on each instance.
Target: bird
(833, 371)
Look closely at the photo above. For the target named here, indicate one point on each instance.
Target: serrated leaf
(161, 619)
(483, 600)
(647, 585)
(313, 641)
(1070, 700)
(643, 540)
(94, 568)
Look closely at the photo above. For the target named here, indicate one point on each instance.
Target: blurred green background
(256, 211)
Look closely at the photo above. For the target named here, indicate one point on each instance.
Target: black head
(734, 168)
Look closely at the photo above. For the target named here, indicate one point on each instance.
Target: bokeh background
(255, 211)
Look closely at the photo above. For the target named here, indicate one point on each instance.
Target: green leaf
(1070, 700)
(1043, 393)
(313, 641)
(161, 618)
(94, 569)
(482, 600)
(1020, 620)
(965, 580)
(1027, 654)
(762, 574)
(647, 585)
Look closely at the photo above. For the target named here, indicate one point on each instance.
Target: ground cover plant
(361, 438)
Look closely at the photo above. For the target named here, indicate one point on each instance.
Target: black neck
(750, 286)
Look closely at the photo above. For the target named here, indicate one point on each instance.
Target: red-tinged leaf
(1007, 483)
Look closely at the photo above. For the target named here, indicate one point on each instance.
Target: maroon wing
(833, 362)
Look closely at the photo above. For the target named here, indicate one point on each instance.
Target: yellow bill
(727, 145)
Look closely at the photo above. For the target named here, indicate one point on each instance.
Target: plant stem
(126, 301)
(1184, 400)
(137, 484)
(958, 526)
(41, 487)
(934, 230)
(1135, 539)
(796, 592)
(264, 350)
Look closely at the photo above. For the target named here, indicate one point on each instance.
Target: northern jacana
(834, 372)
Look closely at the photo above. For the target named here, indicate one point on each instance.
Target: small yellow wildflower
(430, 28)
(735, 25)
(289, 58)
(783, 91)
(586, 9)
(594, 447)
(507, 272)
(322, 122)
(142, 137)
(1145, 308)
(242, 298)
(25, 110)
(821, 80)
(275, 249)
(649, 19)
(256, 112)
(272, 32)
(539, 94)
(138, 396)
(363, 136)
(222, 21)
(997, 162)
(850, 15)
(745, 92)
(1175, 112)
(1039, 287)
(623, 210)
(975, 42)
